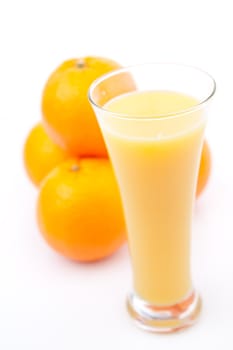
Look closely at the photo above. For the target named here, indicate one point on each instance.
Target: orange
(67, 113)
(79, 210)
(205, 169)
(41, 154)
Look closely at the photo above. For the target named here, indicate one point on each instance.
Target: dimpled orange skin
(67, 114)
(205, 169)
(79, 210)
(41, 154)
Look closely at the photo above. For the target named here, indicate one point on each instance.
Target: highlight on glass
(153, 119)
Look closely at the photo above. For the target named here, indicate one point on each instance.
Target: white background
(47, 302)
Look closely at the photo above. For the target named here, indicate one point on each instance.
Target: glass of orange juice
(153, 118)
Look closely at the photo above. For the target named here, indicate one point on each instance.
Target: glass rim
(169, 115)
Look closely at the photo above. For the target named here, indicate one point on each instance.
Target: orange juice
(155, 157)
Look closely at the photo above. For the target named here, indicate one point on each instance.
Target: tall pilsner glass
(153, 118)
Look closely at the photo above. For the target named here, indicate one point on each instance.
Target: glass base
(164, 319)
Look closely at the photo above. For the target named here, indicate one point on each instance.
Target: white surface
(47, 302)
